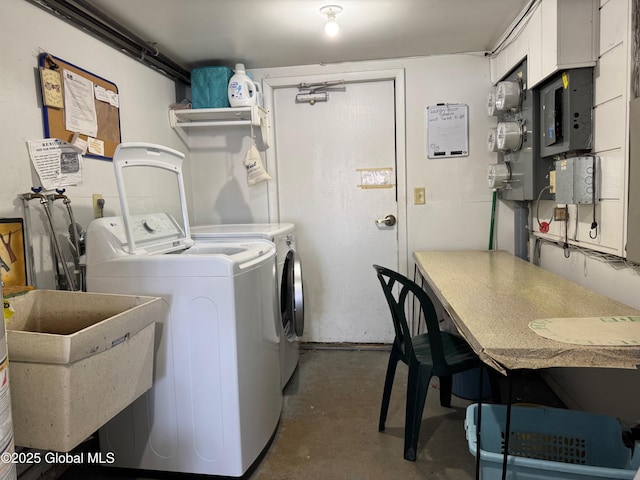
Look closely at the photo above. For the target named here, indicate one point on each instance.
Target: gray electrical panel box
(529, 173)
(566, 103)
(577, 180)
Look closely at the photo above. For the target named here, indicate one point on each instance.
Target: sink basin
(76, 359)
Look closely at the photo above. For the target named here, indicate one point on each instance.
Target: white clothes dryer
(216, 398)
(290, 291)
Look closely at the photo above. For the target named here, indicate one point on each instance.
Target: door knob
(388, 221)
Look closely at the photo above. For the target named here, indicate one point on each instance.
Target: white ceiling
(274, 33)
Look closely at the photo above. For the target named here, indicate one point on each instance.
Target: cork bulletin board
(108, 135)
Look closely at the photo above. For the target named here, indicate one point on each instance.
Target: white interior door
(322, 152)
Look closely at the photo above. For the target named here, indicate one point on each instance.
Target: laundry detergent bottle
(242, 91)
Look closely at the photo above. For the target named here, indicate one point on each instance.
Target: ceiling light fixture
(331, 28)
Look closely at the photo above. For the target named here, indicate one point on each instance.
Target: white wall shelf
(256, 116)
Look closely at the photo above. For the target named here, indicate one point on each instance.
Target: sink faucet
(36, 192)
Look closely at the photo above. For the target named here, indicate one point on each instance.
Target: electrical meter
(524, 175)
(508, 95)
(491, 104)
(492, 141)
(498, 175)
(509, 136)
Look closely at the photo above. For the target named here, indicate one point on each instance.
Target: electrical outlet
(552, 181)
(97, 211)
(418, 196)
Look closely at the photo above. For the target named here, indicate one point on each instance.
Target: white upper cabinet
(556, 35)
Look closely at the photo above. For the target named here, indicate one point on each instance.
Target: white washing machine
(216, 398)
(289, 280)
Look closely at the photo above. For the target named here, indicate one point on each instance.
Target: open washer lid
(152, 198)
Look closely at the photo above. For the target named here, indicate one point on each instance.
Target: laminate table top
(492, 296)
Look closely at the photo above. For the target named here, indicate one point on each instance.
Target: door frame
(398, 77)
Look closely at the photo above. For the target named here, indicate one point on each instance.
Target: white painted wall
(25, 31)
(606, 391)
(220, 193)
(610, 44)
(457, 211)
(458, 204)
(610, 139)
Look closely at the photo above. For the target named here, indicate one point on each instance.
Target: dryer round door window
(291, 296)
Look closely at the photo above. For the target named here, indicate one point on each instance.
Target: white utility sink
(76, 359)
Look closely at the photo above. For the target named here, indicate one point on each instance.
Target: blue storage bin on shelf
(551, 443)
(209, 87)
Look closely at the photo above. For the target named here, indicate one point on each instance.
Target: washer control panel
(154, 226)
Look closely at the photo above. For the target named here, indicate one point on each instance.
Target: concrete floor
(329, 425)
(329, 428)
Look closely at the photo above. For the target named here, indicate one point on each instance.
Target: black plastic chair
(434, 353)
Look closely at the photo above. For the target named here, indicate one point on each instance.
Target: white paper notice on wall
(376, 177)
(57, 162)
(447, 130)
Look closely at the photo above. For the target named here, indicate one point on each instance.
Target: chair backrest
(400, 303)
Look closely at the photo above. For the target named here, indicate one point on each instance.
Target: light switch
(418, 196)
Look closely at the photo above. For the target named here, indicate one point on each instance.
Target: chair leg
(388, 384)
(417, 387)
(446, 384)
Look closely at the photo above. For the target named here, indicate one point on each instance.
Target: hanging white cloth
(256, 172)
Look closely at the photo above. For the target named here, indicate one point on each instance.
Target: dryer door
(292, 297)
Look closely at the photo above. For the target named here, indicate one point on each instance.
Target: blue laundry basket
(466, 384)
(552, 443)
